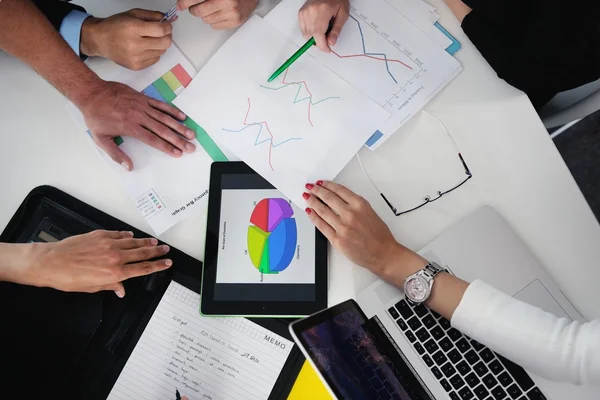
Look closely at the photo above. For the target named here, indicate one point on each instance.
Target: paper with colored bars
(383, 55)
(202, 358)
(304, 126)
(161, 187)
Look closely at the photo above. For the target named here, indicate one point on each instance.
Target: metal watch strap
(432, 269)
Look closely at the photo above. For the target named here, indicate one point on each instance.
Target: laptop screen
(357, 359)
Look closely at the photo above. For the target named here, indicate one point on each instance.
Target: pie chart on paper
(272, 236)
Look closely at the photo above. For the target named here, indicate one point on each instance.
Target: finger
(145, 268)
(144, 253)
(319, 30)
(227, 24)
(155, 141)
(154, 29)
(302, 24)
(321, 225)
(338, 23)
(331, 199)
(206, 8)
(118, 288)
(114, 152)
(113, 234)
(168, 135)
(152, 54)
(130, 243)
(146, 15)
(171, 123)
(157, 43)
(324, 212)
(215, 17)
(167, 109)
(342, 191)
(185, 4)
(146, 63)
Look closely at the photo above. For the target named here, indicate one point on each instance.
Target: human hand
(115, 109)
(354, 228)
(220, 14)
(314, 18)
(134, 39)
(92, 262)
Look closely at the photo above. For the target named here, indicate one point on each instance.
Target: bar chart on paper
(165, 89)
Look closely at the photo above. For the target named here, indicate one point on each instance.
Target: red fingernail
(320, 183)
(308, 211)
(306, 196)
(309, 186)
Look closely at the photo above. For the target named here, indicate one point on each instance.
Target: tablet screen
(266, 244)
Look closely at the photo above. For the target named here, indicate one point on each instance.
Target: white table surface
(516, 167)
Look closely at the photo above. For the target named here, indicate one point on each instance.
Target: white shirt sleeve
(551, 347)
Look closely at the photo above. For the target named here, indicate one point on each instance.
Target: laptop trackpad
(537, 295)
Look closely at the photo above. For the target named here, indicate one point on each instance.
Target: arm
(109, 108)
(56, 11)
(458, 8)
(538, 341)
(96, 261)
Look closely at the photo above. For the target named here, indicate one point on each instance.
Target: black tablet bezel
(211, 307)
(414, 384)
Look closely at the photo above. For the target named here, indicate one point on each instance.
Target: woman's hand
(314, 18)
(353, 227)
(92, 262)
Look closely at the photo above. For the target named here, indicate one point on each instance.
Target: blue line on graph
(256, 142)
(362, 37)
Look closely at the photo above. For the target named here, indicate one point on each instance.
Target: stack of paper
(391, 52)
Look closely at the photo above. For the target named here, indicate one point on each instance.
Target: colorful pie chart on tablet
(272, 236)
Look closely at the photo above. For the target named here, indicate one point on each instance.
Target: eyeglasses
(426, 199)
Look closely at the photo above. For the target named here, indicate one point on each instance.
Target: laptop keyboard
(465, 368)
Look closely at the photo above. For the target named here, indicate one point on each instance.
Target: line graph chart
(263, 125)
(300, 85)
(375, 56)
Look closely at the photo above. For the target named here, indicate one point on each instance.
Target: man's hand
(314, 18)
(134, 39)
(220, 14)
(96, 261)
(116, 109)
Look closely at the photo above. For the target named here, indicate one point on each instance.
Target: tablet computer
(263, 256)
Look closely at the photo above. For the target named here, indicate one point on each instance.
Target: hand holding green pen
(323, 20)
(311, 42)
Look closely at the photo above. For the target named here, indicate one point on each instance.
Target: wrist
(18, 262)
(90, 37)
(400, 263)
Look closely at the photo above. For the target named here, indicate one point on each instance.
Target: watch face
(417, 288)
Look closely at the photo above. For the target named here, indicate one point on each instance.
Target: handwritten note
(203, 358)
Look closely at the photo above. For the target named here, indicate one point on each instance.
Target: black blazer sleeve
(56, 10)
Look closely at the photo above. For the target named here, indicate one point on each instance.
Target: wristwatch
(418, 286)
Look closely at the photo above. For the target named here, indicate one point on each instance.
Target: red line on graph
(308, 90)
(268, 130)
(373, 57)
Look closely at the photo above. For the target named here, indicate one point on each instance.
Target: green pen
(293, 58)
(311, 42)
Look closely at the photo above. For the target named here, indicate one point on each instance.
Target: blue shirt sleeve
(70, 29)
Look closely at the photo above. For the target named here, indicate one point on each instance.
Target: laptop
(380, 347)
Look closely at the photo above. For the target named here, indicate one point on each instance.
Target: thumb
(146, 15)
(118, 288)
(336, 29)
(112, 149)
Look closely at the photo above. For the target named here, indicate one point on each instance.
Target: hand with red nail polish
(353, 227)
